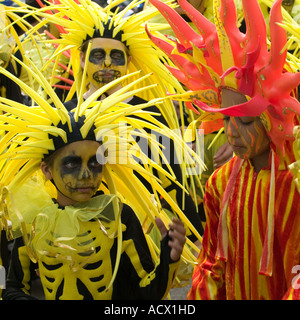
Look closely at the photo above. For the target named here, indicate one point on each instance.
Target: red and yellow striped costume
(239, 274)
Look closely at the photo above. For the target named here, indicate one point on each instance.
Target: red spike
(256, 26)
(184, 33)
(191, 82)
(204, 26)
(50, 35)
(65, 68)
(252, 108)
(61, 87)
(229, 18)
(211, 126)
(69, 81)
(278, 38)
(210, 41)
(165, 46)
(283, 86)
(190, 106)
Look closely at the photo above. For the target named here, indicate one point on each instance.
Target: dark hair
(107, 34)
(72, 135)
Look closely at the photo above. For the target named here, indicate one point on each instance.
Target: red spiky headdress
(220, 55)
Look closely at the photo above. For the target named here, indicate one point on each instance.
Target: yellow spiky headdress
(81, 20)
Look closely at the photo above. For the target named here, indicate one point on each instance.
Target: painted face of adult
(75, 172)
(246, 135)
(108, 60)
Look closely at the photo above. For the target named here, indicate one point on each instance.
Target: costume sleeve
(20, 274)
(208, 281)
(147, 281)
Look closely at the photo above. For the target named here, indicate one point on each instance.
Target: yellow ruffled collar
(32, 208)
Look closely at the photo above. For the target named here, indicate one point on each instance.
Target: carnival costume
(75, 245)
(250, 244)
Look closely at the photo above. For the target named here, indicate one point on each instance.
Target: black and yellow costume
(89, 249)
(96, 254)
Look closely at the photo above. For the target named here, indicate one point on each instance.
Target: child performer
(83, 229)
(251, 239)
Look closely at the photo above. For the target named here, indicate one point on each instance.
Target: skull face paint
(246, 135)
(76, 172)
(108, 60)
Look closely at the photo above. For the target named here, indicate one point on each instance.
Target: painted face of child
(76, 172)
(108, 60)
(246, 135)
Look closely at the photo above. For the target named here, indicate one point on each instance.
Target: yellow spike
(10, 170)
(23, 112)
(114, 99)
(225, 48)
(49, 90)
(176, 209)
(45, 144)
(34, 155)
(52, 130)
(32, 150)
(106, 118)
(215, 138)
(83, 86)
(17, 123)
(112, 187)
(27, 170)
(87, 126)
(103, 89)
(136, 187)
(47, 87)
(36, 135)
